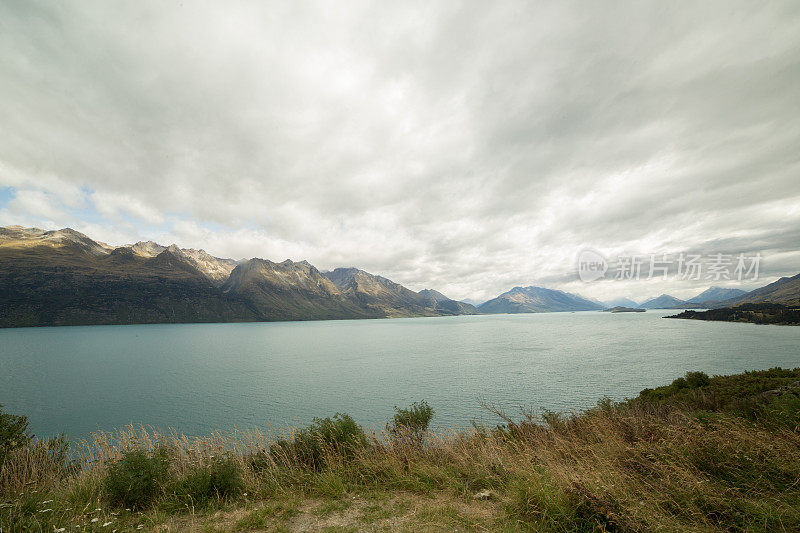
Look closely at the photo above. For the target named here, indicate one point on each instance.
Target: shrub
(219, 479)
(13, 433)
(136, 479)
(411, 422)
(340, 435)
(679, 384)
(697, 379)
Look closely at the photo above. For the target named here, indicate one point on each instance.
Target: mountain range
(63, 277)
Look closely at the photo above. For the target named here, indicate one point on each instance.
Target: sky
(468, 147)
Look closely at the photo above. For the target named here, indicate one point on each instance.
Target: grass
(700, 454)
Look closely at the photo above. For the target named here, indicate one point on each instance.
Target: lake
(202, 377)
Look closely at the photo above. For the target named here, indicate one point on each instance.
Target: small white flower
(47, 501)
(107, 524)
(45, 510)
(59, 529)
(94, 520)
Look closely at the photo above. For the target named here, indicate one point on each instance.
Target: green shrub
(679, 384)
(411, 422)
(136, 479)
(13, 433)
(340, 435)
(221, 478)
(696, 380)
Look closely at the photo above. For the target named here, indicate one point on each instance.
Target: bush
(411, 422)
(13, 434)
(136, 479)
(340, 435)
(696, 380)
(219, 479)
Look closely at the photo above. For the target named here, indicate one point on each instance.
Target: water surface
(202, 377)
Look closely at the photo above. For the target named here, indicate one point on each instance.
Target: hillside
(380, 295)
(785, 291)
(537, 300)
(291, 291)
(53, 278)
(443, 303)
(65, 278)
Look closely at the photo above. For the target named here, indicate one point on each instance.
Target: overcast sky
(468, 147)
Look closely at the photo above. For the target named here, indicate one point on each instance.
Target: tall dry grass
(632, 469)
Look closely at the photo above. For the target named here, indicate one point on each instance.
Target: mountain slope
(381, 295)
(785, 291)
(291, 291)
(713, 294)
(216, 269)
(537, 300)
(63, 277)
(442, 303)
(665, 301)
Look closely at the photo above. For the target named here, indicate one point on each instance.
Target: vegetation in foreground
(764, 313)
(701, 454)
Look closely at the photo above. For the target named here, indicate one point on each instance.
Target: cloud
(456, 146)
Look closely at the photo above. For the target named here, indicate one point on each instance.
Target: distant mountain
(785, 291)
(620, 302)
(537, 300)
(65, 278)
(445, 304)
(712, 294)
(665, 301)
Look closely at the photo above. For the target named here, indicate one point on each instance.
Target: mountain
(382, 296)
(51, 278)
(291, 291)
(537, 300)
(442, 303)
(665, 301)
(216, 269)
(713, 294)
(620, 302)
(785, 291)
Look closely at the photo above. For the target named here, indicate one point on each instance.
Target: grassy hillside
(700, 454)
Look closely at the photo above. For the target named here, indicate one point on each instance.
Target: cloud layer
(459, 146)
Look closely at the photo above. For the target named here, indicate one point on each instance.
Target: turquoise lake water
(202, 377)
